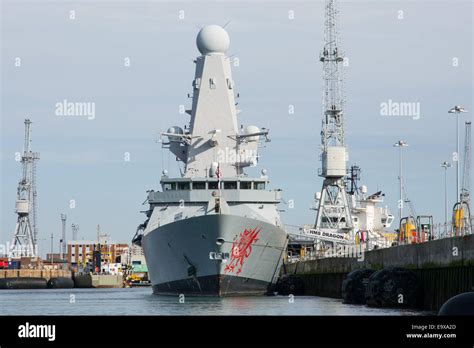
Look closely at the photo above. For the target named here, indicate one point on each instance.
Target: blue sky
(82, 60)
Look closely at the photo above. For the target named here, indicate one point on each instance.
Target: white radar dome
(175, 130)
(252, 130)
(212, 39)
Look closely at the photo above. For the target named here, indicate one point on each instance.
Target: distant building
(134, 263)
(80, 254)
(133, 256)
(53, 258)
(111, 268)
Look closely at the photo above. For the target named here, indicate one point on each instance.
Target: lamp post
(445, 165)
(457, 110)
(51, 255)
(38, 246)
(401, 144)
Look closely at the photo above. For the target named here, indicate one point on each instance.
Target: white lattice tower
(25, 234)
(333, 208)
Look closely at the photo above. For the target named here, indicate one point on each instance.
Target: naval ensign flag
(218, 174)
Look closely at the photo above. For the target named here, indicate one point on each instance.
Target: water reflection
(141, 301)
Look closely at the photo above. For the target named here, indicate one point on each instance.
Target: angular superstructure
(214, 230)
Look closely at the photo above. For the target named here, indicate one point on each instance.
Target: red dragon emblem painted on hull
(241, 249)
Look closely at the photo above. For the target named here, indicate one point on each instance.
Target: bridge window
(246, 185)
(260, 185)
(199, 185)
(230, 185)
(212, 185)
(183, 185)
(168, 186)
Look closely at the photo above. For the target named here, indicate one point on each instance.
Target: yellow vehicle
(461, 219)
(407, 230)
(134, 277)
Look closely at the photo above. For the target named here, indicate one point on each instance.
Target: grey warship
(214, 231)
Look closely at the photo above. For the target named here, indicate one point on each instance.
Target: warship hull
(214, 255)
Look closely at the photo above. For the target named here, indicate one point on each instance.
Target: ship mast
(333, 214)
(213, 143)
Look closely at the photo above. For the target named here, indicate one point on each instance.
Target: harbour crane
(334, 212)
(24, 241)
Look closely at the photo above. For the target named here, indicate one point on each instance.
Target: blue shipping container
(14, 264)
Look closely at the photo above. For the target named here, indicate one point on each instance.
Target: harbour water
(141, 301)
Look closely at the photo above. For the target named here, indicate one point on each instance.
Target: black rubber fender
(82, 281)
(23, 283)
(290, 284)
(354, 286)
(394, 287)
(60, 283)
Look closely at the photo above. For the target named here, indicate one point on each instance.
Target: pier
(445, 268)
(35, 273)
